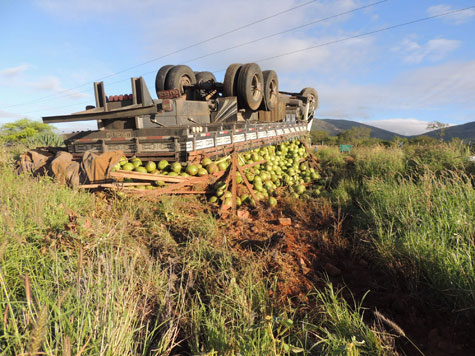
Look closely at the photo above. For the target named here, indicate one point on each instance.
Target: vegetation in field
(29, 133)
(427, 226)
(417, 203)
(89, 275)
(104, 275)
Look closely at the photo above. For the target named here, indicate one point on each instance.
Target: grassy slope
(93, 276)
(418, 205)
(89, 275)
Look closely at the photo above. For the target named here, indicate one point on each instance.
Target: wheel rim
(256, 87)
(273, 91)
(311, 102)
(184, 81)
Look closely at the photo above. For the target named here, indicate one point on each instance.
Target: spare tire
(230, 79)
(160, 78)
(271, 90)
(250, 86)
(178, 77)
(312, 97)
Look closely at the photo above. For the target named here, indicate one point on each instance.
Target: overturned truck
(194, 116)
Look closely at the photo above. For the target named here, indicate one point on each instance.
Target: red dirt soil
(302, 254)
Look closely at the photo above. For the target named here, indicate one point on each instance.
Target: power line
(173, 52)
(363, 34)
(286, 31)
(263, 38)
(350, 37)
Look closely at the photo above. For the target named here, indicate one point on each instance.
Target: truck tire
(204, 77)
(178, 77)
(160, 78)
(271, 90)
(230, 79)
(250, 86)
(312, 95)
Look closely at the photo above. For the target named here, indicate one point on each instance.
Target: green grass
(378, 161)
(427, 225)
(417, 206)
(90, 275)
(342, 330)
(82, 274)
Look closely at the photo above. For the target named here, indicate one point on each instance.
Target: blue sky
(399, 79)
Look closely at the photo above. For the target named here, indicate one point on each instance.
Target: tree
(318, 137)
(437, 125)
(354, 135)
(21, 130)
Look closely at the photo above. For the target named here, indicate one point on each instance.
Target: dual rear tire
(253, 88)
(174, 77)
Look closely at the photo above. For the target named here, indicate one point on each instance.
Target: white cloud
(456, 18)
(433, 50)
(437, 86)
(430, 88)
(12, 77)
(407, 127)
(12, 72)
(53, 84)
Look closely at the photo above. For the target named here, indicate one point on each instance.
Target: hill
(334, 127)
(465, 132)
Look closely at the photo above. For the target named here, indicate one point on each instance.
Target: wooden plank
(175, 187)
(313, 158)
(148, 176)
(234, 164)
(112, 185)
(153, 192)
(158, 177)
(246, 182)
(246, 166)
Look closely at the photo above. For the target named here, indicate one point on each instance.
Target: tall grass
(29, 207)
(342, 330)
(428, 224)
(419, 207)
(85, 275)
(378, 161)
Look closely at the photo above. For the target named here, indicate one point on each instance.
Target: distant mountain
(334, 127)
(465, 132)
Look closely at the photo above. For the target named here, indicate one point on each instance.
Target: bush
(45, 139)
(437, 158)
(21, 130)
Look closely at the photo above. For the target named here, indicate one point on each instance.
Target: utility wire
(265, 37)
(363, 34)
(286, 31)
(355, 36)
(173, 52)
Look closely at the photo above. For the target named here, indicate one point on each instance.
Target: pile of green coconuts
(285, 172)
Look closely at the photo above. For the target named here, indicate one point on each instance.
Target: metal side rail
(193, 145)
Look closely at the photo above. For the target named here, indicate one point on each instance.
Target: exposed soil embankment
(305, 246)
